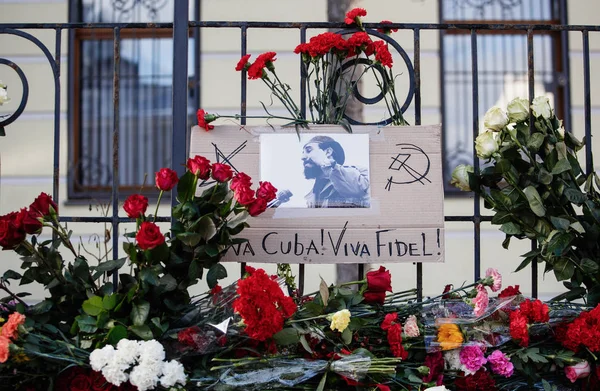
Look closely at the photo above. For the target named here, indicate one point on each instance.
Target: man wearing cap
(336, 185)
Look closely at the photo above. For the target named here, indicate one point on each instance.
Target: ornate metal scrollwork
(9, 119)
(125, 7)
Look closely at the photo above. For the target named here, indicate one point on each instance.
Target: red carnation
(266, 191)
(149, 236)
(188, 336)
(479, 381)
(199, 166)
(165, 179)
(518, 327)
(256, 207)
(353, 15)
(135, 205)
(42, 204)
(382, 54)
(535, 311)
(221, 172)
(510, 291)
(435, 363)
(204, 119)
(386, 30)
(240, 180)
(242, 63)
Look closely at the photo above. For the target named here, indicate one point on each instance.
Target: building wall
(26, 153)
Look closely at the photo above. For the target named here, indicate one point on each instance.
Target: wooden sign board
(398, 218)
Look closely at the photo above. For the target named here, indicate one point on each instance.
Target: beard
(312, 171)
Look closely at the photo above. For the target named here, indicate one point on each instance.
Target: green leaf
(561, 166)
(559, 243)
(116, 334)
(233, 220)
(41, 307)
(287, 336)
(149, 276)
(215, 273)
(305, 344)
(206, 228)
(563, 269)
(111, 265)
(93, 306)
(86, 324)
(185, 187)
(588, 266)
(347, 336)
(524, 264)
(544, 176)
(211, 250)
(324, 291)
(560, 223)
(535, 141)
(11, 275)
(510, 228)
(535, 201)
(140, 312)
(142, 331)
(194, 270)
(168, 282)
(109, 302)
(575, 196)
(189, 238)
(321, 385)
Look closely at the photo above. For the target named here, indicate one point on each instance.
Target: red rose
(204, 119)
(480, 381)
(244, 195)
(166, 179)
(149, 236)
(30, 222)
(379, 280)
(74, 379)
(267, 191)
(42, 204)
(242, 63)
(199, 166)
(221, 172)
(135, 205)
(11, 231)
(257, 206)
(240, 180)
(374, 297)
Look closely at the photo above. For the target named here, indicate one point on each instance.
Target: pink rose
(411, 328)
(481, 301)
(578, 371)
(496, 279)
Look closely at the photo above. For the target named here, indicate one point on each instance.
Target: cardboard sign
(373, 196)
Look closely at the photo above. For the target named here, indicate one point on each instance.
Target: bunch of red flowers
(392, 325)
(529, 312)
(262, 304)
(583, 331)
(15, 226)
(255, 202)
(479, 381)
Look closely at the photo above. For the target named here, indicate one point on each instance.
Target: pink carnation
(472, 358)
(496, 279)
(481, 301)
(500, 364)
(411, 328)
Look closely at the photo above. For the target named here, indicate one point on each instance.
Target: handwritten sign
(398, 217)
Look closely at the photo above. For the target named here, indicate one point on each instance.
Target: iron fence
(182, 27)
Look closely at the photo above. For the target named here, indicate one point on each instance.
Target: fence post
(180, 89)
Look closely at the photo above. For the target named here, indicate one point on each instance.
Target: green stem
(157, 205)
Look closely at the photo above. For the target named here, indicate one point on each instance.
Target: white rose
(486, 144)
(541, 107)
(460, 177)
(495, 119)
(518, 110)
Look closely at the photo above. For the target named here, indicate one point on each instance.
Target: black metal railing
(182, 28)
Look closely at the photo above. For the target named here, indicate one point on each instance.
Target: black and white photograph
(317, 170)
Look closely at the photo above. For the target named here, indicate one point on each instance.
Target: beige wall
(26, 152)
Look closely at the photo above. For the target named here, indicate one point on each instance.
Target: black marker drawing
(220, 157)
(401, 164)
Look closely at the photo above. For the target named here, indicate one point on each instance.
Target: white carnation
(100, 357)
(144, 377)
(173, 372)
(114, 372)
(127, 351)
(151, 351)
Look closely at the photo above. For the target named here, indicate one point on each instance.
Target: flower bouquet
(533, 182)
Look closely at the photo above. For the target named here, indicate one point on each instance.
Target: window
(145, 97)
(502, 66)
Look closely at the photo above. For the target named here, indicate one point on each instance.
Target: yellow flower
(340, 320)
(20, 358)
(449, 336)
